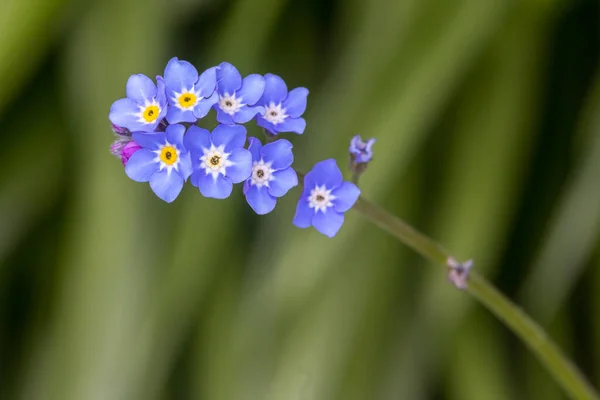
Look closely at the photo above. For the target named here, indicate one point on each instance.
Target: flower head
(219, 159)
(361, 152)
(163, 161)
(237, 97)
(325, 199)
(282, 109)
(190, 96)
(272, 175)
(143, 108)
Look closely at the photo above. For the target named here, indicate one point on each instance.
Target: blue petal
(204, 105)
(140, 88)
(260, 200)
(228, 79)
(295, 104)
(207, 82)
(253, 87)
(304, 214)
(175, 135)
(180, 75)
(242, 165)
(345, 196)
(141, 165)
(196, 139)
(176, 115)
(328, 223)
(122, 113)
(223, 117)
(246, 113)
(254, 148)
(324, 173)
(185, 165)
(275, 90)
(263, 123)
(230, 136)
(150, 141)
(296, 125)
(161, 97)
(284, 181)
(279, 153)
(219, 188)
(166, 186)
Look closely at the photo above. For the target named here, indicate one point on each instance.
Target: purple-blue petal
(263, 123)
(253, 87)
(230, 136)
(185, 165)
(324, 173)
(279, 153)
(260, 200)
(141, 165)
(242, 165)
(122, 113)
(275, 90)
(180, 75)
(216, 188)
(196, 139)
(345, 196)
(161, 96)
(223, 117)
(228, 79)
(140, 88)
(207, 82)
(204, 105)
(295, 104)
(176, 115)
(166, 186)
(296, 125)
(246, 113)
(329, 222)
(175, 135)
(284, 181)
(254, 148)
(150, 141)
(304, 214)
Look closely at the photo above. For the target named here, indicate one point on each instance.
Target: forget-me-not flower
(361, 152)
(143, 108)
(163, 161)
(219, 159)
(190, 96)
(272, 175)
(282, 109)
(237, 97)
(325, 199)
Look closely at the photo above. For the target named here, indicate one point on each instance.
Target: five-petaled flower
(219, 159)
(282, 109)
(325, 199)
(272, 175)
(143, 108)
(190, 96)
(237, 97)
(361, 152)
(163, 161)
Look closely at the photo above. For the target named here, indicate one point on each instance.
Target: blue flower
(190, 97)
(272, 175)
(143, 108)
(219, 159)
(325, 199)
(361, 152)
(236, 96)
(163, 161)
(282, 109)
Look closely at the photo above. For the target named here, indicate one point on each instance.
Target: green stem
(560, 367)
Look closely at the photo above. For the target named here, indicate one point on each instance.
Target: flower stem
(560, 367)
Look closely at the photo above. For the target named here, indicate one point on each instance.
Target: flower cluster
(159, 142)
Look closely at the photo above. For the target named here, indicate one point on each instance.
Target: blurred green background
(487, 119)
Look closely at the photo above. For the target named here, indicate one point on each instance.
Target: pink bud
(128, 150)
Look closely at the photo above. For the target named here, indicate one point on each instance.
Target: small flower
(458, 273)
(219, 159)
(124, 149)
(190, 97)
(236, 96)
(282, 109)
(272, 175)
(163, 161)
(361, 152)
(143, 108)
(325, 199)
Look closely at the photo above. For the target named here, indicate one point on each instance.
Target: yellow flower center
(168, 155)
(151, 113)
(187, 100)
(215, 160)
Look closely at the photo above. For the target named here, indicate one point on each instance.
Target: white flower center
(320, 199)
(215, 161)
(160, 157)
(230, 104)
(262, 174)
(186, 99)
(275, 114)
